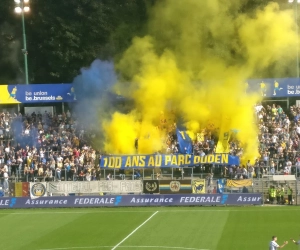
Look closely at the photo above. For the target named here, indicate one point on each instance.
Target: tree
(64, 35)
(10, 46)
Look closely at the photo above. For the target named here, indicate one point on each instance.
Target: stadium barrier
(148, 186)
(132, 200)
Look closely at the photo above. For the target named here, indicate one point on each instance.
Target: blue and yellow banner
(163, 161)
(221, 185)
(184, 141)
(36, 93)
(198, 186)
(239, 183)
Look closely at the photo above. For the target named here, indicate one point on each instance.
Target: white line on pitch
(134, 231)
(93, 247)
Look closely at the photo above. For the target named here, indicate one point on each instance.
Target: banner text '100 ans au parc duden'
(161, 161)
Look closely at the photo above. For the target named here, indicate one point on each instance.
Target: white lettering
(4, 202)
(248, 198)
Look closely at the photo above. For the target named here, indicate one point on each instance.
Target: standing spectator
(58, 174)
(122, 174)
(26, 172)
(19, 167)
(244, 173)
(5, 180)
(48, 174)
(257, 169)
(272, 194)
(81, 175)
(93, 174)
(1, 157)
(298, 166)
(290, 196)
(250, 171)
(88, 175)
(278, 194)
(272, 170)
(98, 173)
(68, 169)
(40, 171)
(31, 175)
(137, 174)
(230, 172)
(72, 172)
(210, 180)
(282, 195)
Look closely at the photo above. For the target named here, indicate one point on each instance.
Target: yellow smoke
(192, 67)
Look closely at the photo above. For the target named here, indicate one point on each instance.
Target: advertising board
(132, 200)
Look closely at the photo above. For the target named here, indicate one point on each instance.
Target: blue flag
(185, 142)
(221, 185)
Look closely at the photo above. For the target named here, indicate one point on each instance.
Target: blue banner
(163, 161)
(36, 93)
(221, 185)
(132, 200)
(272, 87)
(184, 141)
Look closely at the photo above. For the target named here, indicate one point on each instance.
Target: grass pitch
(155, 228)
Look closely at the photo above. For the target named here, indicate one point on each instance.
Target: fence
(210, 173)
(166, 186)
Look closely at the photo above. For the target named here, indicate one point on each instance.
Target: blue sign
(163, 161)
(132, 200)
(272, 87)
(36, 93)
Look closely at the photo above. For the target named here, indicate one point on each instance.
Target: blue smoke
(95, 81)
(93, 92)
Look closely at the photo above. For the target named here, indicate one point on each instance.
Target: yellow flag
(198, 186)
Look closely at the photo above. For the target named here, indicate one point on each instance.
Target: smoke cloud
(93, 92)
(192, 66)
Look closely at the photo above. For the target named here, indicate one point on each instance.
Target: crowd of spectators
(279, 136)
(46, 147)
(54, 147)
(278, 139)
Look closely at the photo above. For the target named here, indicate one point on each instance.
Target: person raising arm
(296, 242)
(273, 244)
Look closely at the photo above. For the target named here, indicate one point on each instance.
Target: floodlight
(26, 9)
(26, 1)
(17, 1)
(18, 10)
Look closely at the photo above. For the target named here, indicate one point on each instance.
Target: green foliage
(10, 46)
(64, 36)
